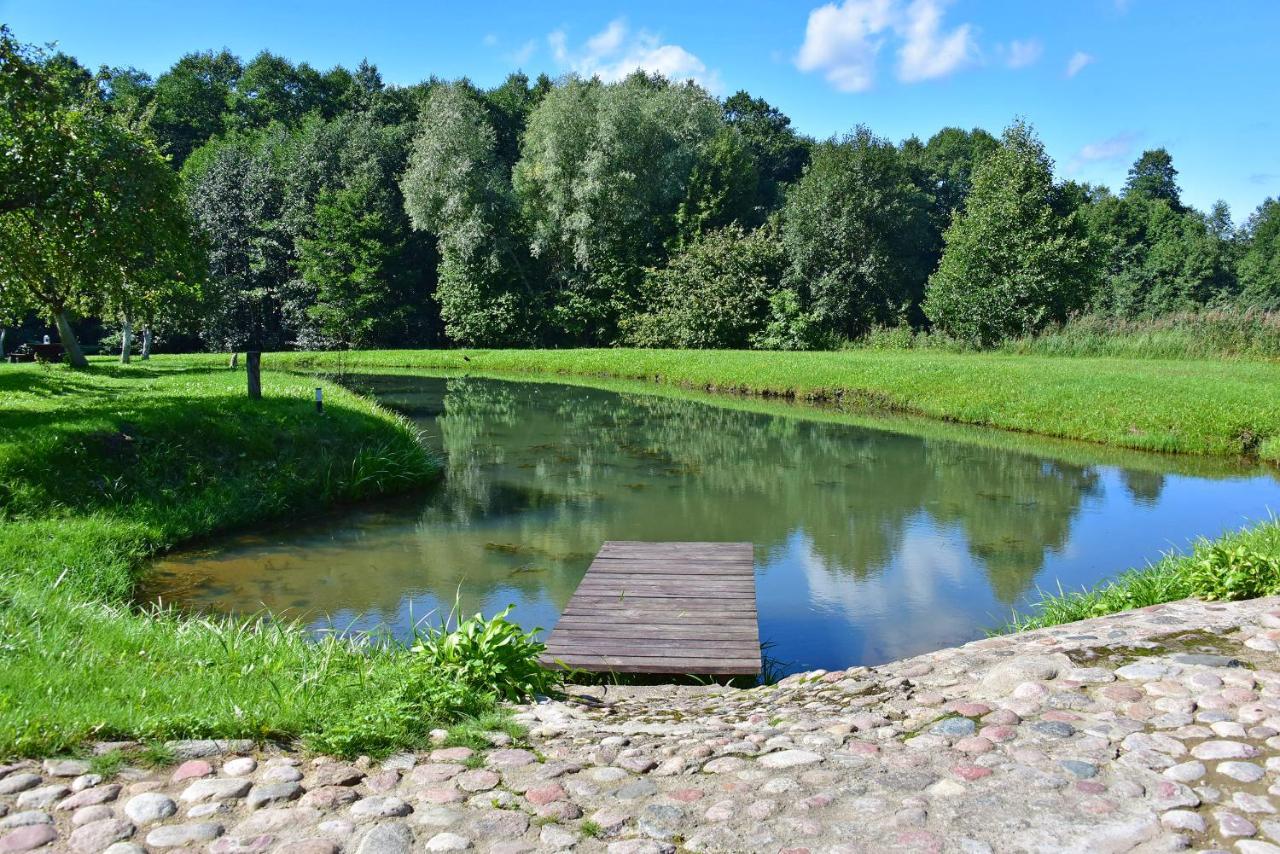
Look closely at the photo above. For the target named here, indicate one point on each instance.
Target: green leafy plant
(1232, 572)
(490, 654)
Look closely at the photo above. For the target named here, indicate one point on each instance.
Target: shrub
(491, 655)
(1232, 572)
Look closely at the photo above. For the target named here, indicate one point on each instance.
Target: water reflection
(870, 545)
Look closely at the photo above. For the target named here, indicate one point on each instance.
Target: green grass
(1184, 406)
(99, 470)
(1205, 572)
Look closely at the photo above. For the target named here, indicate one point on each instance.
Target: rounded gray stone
(1054, 729)
(953, 728)
(25, 819)
(272, 794)
(149, 807)
(390, 838)
(177, 835)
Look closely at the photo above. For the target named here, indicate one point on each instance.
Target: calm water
(870, 545)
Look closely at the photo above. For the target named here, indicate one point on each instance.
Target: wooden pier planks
(669, 608)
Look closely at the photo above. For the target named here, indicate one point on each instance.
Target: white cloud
(1020, 54)
(1078, 61)
(617, 51)
(521, 55)
(1113, 148)
(928, 51)
(490, 40)
(843, 41)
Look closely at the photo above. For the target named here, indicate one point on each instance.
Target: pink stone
(1236, 696)
(190, 769)
(383, 781)
(687, 795)
(971, 772)
(27, 838)
(452, 754)
(441, 795)
(997, 733)
(862, 748)
(540, 795)
(1060, 715)
(425, 775)
(1089, 787)
(1002, 717)
(1098, 806)
(919, 840)
(1230, 824)
(477, 781)
(974, 745)
(969, 710)
(816, 802)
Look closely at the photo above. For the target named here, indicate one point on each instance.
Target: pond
(871, 544)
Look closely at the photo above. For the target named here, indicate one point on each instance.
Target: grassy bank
(1191, 407)
(1240, 565)
(100, 469)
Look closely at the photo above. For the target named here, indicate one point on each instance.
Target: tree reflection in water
(869, 544)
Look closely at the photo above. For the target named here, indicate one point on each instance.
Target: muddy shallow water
(870, 544)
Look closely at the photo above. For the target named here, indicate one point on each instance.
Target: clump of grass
(486, 653)
(107, 764)
(591, 829)
(155, 754)
(1240, 565)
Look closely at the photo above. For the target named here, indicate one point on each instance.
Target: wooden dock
(671, 608)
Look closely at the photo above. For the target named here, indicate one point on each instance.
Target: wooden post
(319, 399)
(253, 365)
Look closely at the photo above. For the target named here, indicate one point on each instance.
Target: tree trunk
(75, 356)
(2, 333)
(253, 366)
(146, 344)
(126, 341)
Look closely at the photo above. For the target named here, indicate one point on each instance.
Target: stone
(178, 835)
(240, 767)
(1230, 824)
(1187, 820)
(42, 797)
(510, 758)
(1245, 772)
(610, 821)
(15, 783)
(447, 841)
(336, 774)
(793, 758)
(1224, 750)
(1083, 770)
(661, 821)
(281, 774)
(539, 795)
(89, 797)
(954, 727)
(479, 780)
(190, 770)
(309, 846)
(272, 794)
(27, 838)
(1185, 772)
(201, 748)
(25, 818)
(379, 806)
(149, 807)
(391, 838)
(496, 823)
(329, 797)
(65, 767)
(96, 835)
(636, 789)
(1054, 729)
(219, 789)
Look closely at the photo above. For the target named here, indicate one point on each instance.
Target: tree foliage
(1013, 261)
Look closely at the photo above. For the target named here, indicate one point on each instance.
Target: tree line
(227, 204)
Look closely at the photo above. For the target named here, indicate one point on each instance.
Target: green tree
(722, 189)
(91, 216)
(780, 154)
(191, 99)
(1152, 177)
(1012, 261)
(602, 172)
(457, 188)
(714, 293)
(1260, 263)
(858, 235)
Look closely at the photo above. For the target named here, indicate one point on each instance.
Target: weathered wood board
(667, 608)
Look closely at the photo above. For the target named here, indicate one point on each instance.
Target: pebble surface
(1150, 731)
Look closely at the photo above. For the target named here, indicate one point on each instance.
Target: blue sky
(1100, 79)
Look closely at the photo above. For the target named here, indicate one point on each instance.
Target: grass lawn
(100, 469)
(1190, 407)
